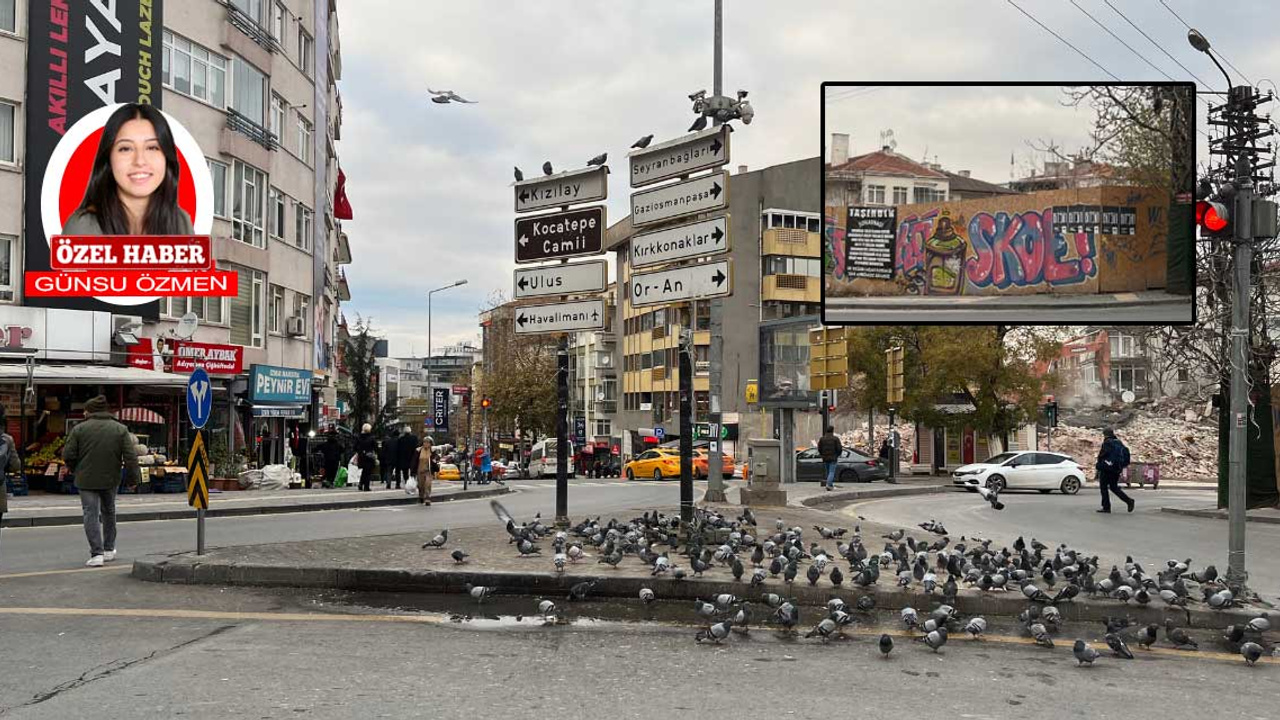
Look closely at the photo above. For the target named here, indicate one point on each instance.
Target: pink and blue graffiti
(1023, 249)
(833, 237)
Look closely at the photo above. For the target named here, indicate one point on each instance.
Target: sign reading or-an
(199, 398)
(682, 242)
(566, 188)
(282, 385)
(560, 317)
(682, 156)
(869, 237)
(561, 279)
(556, 236)
(700, 194)
(692, 282)
(440, 409)
(198, 474)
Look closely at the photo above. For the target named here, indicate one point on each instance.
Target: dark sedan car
(852, 466)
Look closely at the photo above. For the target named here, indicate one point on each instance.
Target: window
(248, 211)
(275, 206)
(9, 15)
(306, 51)
(780, 265)
(208, 309)
(249, 91)
(278, 16)
(302, 309)
(927, 194)
(246, 308)
(875, 194)
(1122, 345)
(253, 8)
(702, 316)
(899, 195)
(278, 106)
(194, 70)
(8, 132)
(219, 172)
(1129, 377)
(1184, 375)
(275, 310)
(7, 244)
(303, 218)
(305, 150)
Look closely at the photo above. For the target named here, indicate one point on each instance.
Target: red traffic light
(1212, 216)
(485, 403)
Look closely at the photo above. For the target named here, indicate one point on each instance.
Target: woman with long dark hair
(133, 189)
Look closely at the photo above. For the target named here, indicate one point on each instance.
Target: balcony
(344, 290)
(791, 288)
(795, 242)
(249, 25)
(255, 132)
(342, 252)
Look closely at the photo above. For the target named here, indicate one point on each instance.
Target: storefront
(277, 412)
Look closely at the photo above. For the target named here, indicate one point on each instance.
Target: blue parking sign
(199, 398)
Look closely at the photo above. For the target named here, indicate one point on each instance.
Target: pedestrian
(331, 451)
(426, 471)
(387, 457)
(406, 448)
(1113, 458)
(367, 455)
(95, 451)
(886, 456)
(486, 466)
(830, 448)
(10, 462)
(476, 462)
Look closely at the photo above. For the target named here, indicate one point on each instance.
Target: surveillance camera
(698, 95)
(746, 112)
(742, 94)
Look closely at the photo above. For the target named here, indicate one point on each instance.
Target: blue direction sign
(199, 398)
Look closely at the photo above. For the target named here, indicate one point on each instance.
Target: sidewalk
(813, 494)
(1261, 515)
(46, 510)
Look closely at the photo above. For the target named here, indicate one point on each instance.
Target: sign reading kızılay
(869, 237)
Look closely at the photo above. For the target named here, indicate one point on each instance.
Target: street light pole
(715, 354)
(431, 394)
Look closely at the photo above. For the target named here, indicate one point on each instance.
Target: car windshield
(1001, 458)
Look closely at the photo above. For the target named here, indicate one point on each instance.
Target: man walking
(95, 452)
(426, 471)
(387, 457)
(1113, 458)
(829, 448)
(406, 448)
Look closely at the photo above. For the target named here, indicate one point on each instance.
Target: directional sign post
(199, 407)
(199, 398)
(682, 242)
(701, 194)
(556, 236)
(564, 279)
(566, 188)
(574, 316)
(690, 282)
(682, 156)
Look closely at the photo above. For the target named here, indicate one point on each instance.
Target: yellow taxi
(657, 463)
(702, 459)
(448, 471)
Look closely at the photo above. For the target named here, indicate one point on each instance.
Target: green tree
(358, 360)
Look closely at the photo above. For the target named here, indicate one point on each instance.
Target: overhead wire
(1158, 45)
(1120, 40)
(1063, 40)
(1224, 57)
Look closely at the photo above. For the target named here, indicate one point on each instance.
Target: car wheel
(1070, 485)
(630, 475)
(849, 476)
(996, 483)
(657, 474)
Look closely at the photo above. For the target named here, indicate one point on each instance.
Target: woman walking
(426, 471)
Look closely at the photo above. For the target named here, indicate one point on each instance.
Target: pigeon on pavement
(1178, 636)
(824, 629)
(1251, 652)
(1147, 637)
(976, 627)
(715, 633)
(479, 592)
(1118, 647)
(1084, 653)
(936, 639)
(886, 645)
(439, 540)
(459, 557)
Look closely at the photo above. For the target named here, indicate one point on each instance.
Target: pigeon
(444, 97)
(1259, 624)
(742, 617)
(519, 175)
(824, 629)
(612, 559)
(866, 603)
(704, 609)
(1084, 653)
(738, 570)
(758, 577)
(1178, 636)
(438, 541)
(1041, 635)
(641, 144)
(789, 575)
(715, 633)
(546, 168)
(896, 535)
(1251, 652)
(773, 600)
(600, 159)
(575, 553)
(459, 556)
(991, 496)
(814, 575)
(910, 618)
(579, 591)
(976, 627)
(724, 600)
(788, 616)
(886, 645)
(1233, 635)
(1118, 648)
(546, 607)
(479, 592)
(1147, 637)
(936, 639)
(559, 560)
(699, 124)
(527, 548)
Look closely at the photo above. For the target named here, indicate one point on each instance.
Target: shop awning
(140, 415)
(50, 374)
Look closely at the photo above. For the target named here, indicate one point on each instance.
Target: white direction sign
(691, 282)
(682, 242)
(563, 279)
(560, 317)
(701, 194)
(682, 156)
(566, 188)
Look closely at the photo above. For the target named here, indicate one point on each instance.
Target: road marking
(42, 573)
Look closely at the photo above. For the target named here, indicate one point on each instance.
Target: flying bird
(444, 97)
(991, 496)
(600, 159)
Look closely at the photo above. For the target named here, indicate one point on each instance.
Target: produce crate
(169, 484)
(17, 485)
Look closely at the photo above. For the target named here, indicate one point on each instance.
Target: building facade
(883, 177)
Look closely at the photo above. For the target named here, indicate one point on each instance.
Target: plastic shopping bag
(340, 480)
(411, 487)
(353, 473)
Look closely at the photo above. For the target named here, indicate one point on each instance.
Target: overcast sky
(563, 80)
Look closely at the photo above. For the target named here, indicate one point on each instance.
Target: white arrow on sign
(701, 194)
(566, 188)
(682, 242)
(560, 317)
(564, 279)
(682, 156)
(691, 282)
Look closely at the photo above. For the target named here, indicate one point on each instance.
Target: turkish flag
(341, 205)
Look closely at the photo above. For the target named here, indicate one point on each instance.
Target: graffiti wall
(1089, 240)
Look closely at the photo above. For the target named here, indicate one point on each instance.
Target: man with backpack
(829, 449)
(1113, 458)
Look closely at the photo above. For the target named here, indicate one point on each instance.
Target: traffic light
(485, 403)
(1051, 413)
(1213, 218)
(894, 362)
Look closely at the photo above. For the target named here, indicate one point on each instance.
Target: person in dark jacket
(331, 451)
(406, 452)
(387, 457)
(1113, 458)
(95, 451)
(829, 448)
(367, 450)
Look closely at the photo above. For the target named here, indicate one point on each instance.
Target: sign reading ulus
(271, 384)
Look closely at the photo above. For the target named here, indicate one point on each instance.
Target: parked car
(851, 466)
(658, 463)
(702, 459)
(448, 471)
(542, 460)
(1032, 470)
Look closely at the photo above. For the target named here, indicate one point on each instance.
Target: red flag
(341, 206)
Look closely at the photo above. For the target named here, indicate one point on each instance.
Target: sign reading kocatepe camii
(869, 237)
(556, 236)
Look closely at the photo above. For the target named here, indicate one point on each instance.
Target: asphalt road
(51, 548)
(1150, 536)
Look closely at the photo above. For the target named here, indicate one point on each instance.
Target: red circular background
(75, 180)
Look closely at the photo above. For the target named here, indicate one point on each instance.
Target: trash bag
(250, 480)
(411, 487)
(276, 477)
(340, 479)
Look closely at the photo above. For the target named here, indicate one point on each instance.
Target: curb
(1219, 515)
(149, 515)
(185, 569)
(871, 494)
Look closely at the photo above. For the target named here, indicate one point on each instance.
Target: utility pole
(562, 432)
(715, 353)
(686, 429)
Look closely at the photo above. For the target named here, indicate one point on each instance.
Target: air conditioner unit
(295, 326)
(126, 329)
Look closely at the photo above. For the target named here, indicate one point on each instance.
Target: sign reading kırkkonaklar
(869, 237)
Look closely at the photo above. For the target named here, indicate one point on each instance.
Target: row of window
(9, 16)
(276, 18)
(257, 209)
(666, 404)
(244, 312)
(785, 265)
(809, 222)
(676, 316)
(875, 195)
(662, 358)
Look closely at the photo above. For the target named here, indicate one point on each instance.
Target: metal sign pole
(199, 531)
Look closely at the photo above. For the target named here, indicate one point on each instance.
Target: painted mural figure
(944, 255)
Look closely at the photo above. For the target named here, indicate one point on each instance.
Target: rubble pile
(1181, 437)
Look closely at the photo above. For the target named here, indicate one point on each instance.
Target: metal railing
(255, 132)
(249, 25)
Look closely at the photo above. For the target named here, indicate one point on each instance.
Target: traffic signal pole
(1238, 100)
(562, 432)
(686, 430)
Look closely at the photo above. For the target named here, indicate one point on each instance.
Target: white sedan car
(1030, 470)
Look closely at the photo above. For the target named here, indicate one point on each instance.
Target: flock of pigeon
(1045, 577)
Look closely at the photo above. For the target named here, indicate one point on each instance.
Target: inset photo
(1034, 204)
